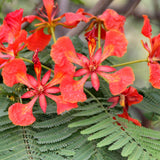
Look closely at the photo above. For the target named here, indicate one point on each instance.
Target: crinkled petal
(132, 96)
(63, 50)
(119, 80)
(72, 91)
(14, 20)
(154, 79)
(43, 102)
(112, 20)
(146, 29)
(115, 44)
(38, 40)
(21, 114)
(10, 71)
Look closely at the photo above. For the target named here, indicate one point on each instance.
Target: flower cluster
(71, 69)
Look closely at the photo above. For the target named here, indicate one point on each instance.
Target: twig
(34, 12)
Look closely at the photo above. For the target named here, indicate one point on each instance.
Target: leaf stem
(131, 62)
(99, 35)
(43, 66)
(53, 34)
(86, 90)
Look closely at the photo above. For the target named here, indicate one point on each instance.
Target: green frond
(98, 126)
(128, 148)
(58, 120)
(85, 152)
(104, 132)
(51, 156)
(110, 139)
(88, 121)
(4, 120)
(66, 152)
(52, 137)
(120, 143)
(136, 154)
(89, 112)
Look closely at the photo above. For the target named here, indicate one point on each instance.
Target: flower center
(40, 89)
(92, 66)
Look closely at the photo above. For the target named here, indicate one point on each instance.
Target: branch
(34, 12)
(99, 8)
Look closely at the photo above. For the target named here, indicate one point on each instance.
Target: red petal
(105, 68)
(29, 19)
(31, 80)
(95, 81)
(132, 96)
(146, 29)
(46, 77)
(114, 100)
(67, 69)
(18, 44)
(72, 19)
(28, 94)
(52, 90)
(49, 6)
(72, 91)
(38, 40)
(14, 20)
(10, 71)
(154, 69)
(115, 44)
(126, 116)
(43, 102)
(63, 50)
(112, 20)
(119, 80)
(21, 114)
(98, 55)
(62, 106)
(56, 80)
(81, 72)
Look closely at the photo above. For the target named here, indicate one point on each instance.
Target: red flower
(115, 45)
(108, 20)
(127, 98)
(39, 40)
(12, 41)
(154, 53)
(126, 116)
(38, 88)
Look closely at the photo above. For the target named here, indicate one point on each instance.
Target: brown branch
(100, 6)
(34, 12)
